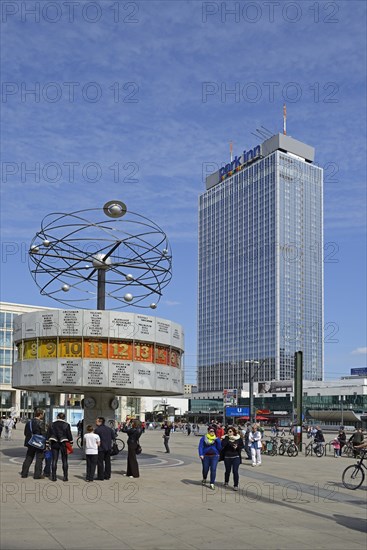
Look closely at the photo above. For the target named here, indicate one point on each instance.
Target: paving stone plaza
(287, 503)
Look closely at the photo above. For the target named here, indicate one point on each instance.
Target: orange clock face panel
(143, 352)
(120, 350)
(95, 349)
(161, 355)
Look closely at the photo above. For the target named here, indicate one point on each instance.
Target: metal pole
(251, 390)
(101, 289)
(342, 400)
(298, 394)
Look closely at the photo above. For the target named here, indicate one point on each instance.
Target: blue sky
(146, 86)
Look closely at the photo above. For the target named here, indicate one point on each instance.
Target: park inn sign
(239, 162)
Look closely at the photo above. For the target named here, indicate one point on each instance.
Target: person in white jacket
(8, 425)
(255, 445)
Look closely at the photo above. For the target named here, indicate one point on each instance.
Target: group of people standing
(97, 444)
(57, 435)
(214, 447)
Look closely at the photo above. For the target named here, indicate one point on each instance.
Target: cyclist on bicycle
(318, 437)
(356, 439)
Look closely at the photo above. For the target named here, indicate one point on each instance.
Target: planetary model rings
(75, 253)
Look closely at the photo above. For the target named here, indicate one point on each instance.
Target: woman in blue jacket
(209, 450)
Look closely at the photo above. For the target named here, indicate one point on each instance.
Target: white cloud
(171, 303)
(359, 351)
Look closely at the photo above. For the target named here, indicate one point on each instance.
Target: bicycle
(348, 450)
(317, 447)
(353, 476)
(292, 449)
(271, 447)
(288, 445)
(120, 444)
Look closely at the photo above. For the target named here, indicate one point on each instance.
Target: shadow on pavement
(191, 482)
(357, 524)
(14, 452)
(342, 486)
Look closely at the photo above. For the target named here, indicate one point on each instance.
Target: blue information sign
(359, 371)
(237, 411)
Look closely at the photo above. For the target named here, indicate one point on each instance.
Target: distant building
(190, 388)
(342, 401)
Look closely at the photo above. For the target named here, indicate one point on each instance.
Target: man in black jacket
(34, 426)
(58, 434)
(106, 435)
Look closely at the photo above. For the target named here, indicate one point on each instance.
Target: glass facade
(261, 273)
(6, 348)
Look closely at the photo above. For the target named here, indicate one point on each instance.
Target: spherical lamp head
(115, 209)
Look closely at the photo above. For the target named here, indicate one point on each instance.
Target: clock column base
(98, 404)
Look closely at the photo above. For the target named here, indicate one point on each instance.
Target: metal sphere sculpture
(126, 258)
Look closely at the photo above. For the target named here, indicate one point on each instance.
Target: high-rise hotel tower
(261, 266)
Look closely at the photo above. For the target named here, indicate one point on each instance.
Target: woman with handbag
(133, 430)
(59, 433)
(34, 427)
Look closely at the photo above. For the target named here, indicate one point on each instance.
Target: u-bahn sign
(237, 411)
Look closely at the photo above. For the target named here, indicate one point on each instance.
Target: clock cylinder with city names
(80, 351)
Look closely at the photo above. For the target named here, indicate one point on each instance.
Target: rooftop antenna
(259, 134)
(231, 149)
(268, 131)
(262, 133)
(284, 119)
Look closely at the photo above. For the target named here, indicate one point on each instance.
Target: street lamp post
(342, 399)
(251, 385)
(211, 411)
